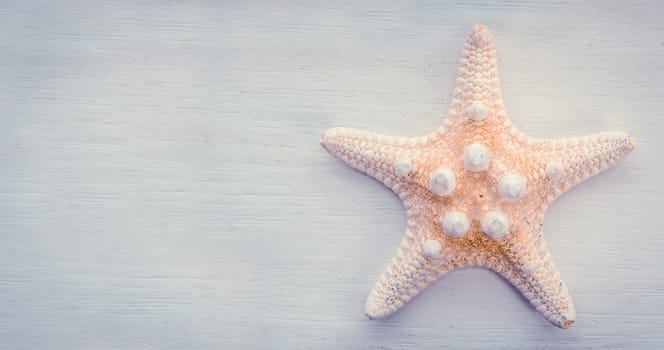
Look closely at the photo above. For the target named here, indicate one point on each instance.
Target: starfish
(476, 190)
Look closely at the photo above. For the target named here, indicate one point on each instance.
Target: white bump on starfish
(495, 224)
(526, 263)
(554, 170)
(431, 248)
(455, 223)
(476, 157)
(477, 110)
(442, 181)
(511, 186)
(403, 166)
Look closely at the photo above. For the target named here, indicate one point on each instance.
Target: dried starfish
(476, 190)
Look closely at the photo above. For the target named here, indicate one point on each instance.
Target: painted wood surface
(162, 185)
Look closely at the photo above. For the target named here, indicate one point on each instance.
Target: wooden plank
(163, 187)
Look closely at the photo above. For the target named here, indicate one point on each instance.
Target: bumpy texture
(408, 165)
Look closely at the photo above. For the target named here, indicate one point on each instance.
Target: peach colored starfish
(476, 190)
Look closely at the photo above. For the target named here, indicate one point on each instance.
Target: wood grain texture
(163, 186)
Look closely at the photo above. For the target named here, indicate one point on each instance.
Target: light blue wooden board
(162, 186)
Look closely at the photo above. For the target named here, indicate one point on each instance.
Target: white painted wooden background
(162, 185)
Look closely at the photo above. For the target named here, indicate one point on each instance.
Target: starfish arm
(373, 154)
(532, 271)
(406, 276)
(568, 162)
(477, 91)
